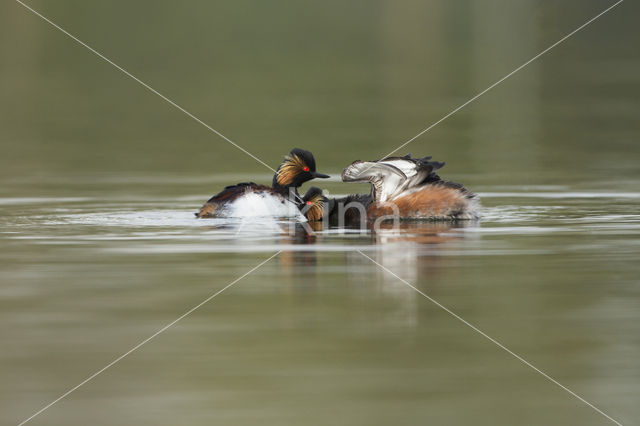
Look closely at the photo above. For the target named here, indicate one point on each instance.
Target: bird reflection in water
(301, 261)
(419, 232)
(419, 253)
(415, 250)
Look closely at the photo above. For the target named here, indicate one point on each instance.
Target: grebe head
(297, 168)
(313, 204)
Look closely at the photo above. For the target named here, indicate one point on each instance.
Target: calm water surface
(99, 179)
(319, 333)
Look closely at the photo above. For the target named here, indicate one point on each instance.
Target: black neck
(289, 191)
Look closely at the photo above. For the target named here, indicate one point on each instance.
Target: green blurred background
(347, 80)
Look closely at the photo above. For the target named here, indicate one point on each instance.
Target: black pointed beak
(319, 175)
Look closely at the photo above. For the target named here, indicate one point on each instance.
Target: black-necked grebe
(249, 199)
(314, 204)
(406, 188)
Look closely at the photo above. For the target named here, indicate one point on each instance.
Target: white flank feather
(263, 204)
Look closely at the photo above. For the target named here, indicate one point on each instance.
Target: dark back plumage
(231, 192)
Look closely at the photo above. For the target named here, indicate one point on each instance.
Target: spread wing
(393, 175)
(416, 170)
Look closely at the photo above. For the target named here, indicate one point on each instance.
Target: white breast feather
(254, 204)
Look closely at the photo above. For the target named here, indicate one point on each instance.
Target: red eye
(305, 168)
(309, 203)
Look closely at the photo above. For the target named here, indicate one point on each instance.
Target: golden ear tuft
(314, 211)
(289, 169)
